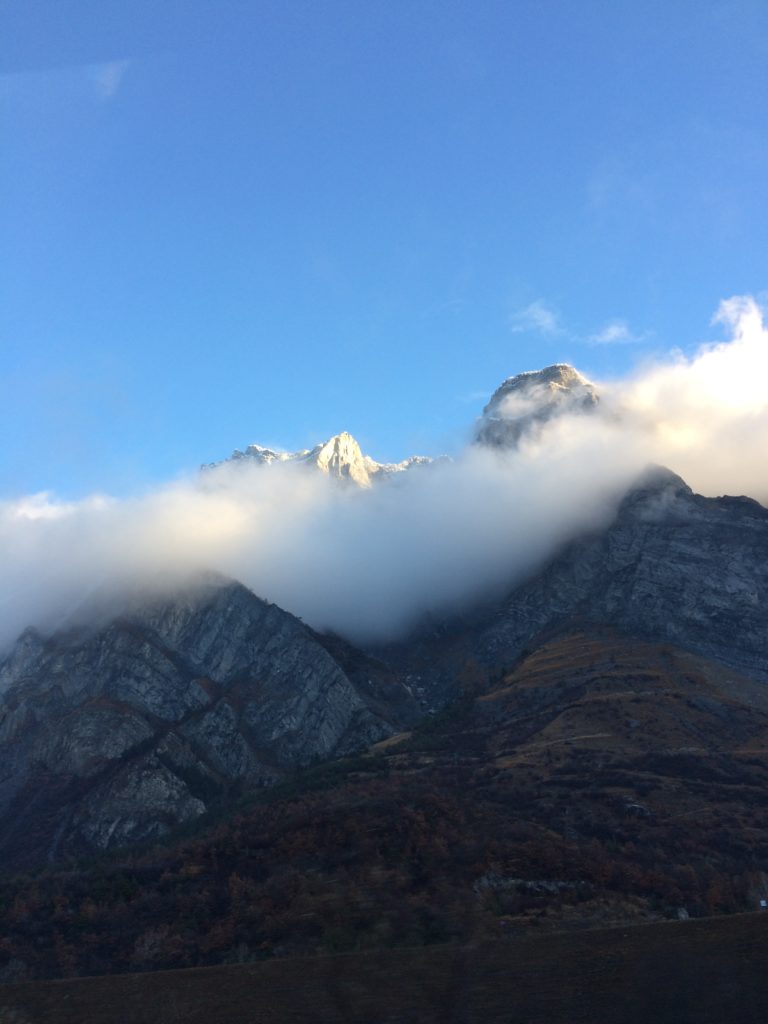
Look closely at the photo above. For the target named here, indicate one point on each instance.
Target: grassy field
(709, 971)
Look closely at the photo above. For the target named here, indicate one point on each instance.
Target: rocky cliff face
(116, 733)
(674, 566)
(522, 404)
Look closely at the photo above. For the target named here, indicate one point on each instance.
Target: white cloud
(536, 317)
(616, 332)
(107, 78)
(474, 397)
(368, 564)
(540, 318)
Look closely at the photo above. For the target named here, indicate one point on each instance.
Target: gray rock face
(114, 734)
(673, 566)
(525, 402)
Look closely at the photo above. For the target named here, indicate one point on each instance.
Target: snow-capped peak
(339, 457)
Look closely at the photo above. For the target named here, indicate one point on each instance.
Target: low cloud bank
(370, 563)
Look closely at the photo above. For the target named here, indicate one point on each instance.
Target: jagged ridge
(339, 457)
(115, 734)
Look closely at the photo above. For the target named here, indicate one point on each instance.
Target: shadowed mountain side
(604, 781)
(674, 566)
(116, 733)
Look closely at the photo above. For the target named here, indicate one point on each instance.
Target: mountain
(590, 749)
(339, 457)
(118, 731)
(673, 566)
(519, 406)
(114, 733)
(602, 780)
(524, 403)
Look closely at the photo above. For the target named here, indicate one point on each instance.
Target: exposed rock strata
(116, 733)
(674, 566)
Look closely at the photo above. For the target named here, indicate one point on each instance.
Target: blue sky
(227, 222)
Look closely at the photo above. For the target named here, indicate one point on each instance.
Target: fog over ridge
(369, 563)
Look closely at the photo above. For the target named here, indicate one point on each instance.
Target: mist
(371, 564)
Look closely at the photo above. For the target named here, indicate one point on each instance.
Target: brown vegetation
(602, 781)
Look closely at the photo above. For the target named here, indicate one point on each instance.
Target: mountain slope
(673, 566)
(115, 733)
(603, 780)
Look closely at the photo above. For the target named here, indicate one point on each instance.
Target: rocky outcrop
(525, 402)
(115, 733)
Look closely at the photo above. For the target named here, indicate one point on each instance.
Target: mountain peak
(340, 457)
(558, 374)
(530, 399)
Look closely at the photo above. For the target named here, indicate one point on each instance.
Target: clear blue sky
(226, 222)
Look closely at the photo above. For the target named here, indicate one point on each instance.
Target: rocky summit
(524, 403)
(115, 733)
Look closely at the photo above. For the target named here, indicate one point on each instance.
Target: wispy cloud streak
(107, 78)
(536, 317)
(616, 332)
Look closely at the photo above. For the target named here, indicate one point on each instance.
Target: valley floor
(708, 971)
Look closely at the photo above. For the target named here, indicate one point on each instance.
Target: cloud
(616, 332)
(539, 318)
(371, 564)
(107, 78)
(473, 397)
(707, 416)
(536, 317)
(367, 564)
(60, 90)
